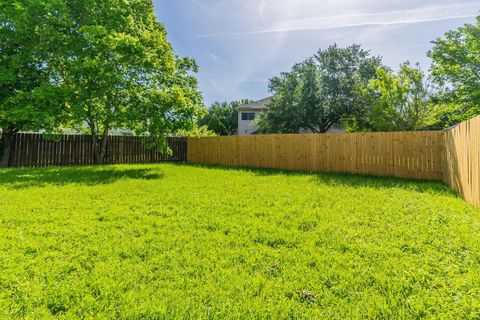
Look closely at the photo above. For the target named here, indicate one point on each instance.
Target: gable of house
(249, 112)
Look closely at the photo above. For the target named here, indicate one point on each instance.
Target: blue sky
(240, 44)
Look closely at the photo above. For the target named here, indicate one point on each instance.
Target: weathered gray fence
(38, 150)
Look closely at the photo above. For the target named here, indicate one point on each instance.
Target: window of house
(248, 115)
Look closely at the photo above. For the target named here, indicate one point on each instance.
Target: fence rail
(400, 154)
(38, 150)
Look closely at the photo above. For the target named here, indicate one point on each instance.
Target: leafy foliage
(182, 242)
(456, 68)
(121, 72)
(398, 102)
(29, 100)
(104, 64)
(196, 131)
(222, 117)
(319, 93)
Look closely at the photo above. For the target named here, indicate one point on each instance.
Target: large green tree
(121, 72)
(456, 68)
(30, 98)
(397, 101)
(319, 93)
(222, 117)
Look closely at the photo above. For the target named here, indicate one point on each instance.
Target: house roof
(259, 105)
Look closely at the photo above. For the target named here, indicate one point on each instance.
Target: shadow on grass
(349, 180)
(19, 178)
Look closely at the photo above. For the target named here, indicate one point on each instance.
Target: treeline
(351, 89)
(91, 66)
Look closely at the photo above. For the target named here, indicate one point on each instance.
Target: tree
(121, 72)
(29, 96)
(456, 69)
(319, 93)
(398, 102)
(222, 117)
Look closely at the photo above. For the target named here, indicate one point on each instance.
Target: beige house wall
(246, 127)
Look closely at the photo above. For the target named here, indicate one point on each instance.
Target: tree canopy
(92, 66)
(319, 93)
(222, 117)
(456, 69)
(121, 72)
(397, 101)
(30, 99)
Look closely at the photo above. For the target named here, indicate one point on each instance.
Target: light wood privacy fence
(462, 159)
(400, 154)
(452, 156)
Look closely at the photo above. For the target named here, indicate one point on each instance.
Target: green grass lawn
(173, 241)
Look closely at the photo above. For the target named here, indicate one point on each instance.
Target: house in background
(248, 113)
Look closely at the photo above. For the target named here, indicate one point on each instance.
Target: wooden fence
(452, 155)
(462, 159)
(401, 154)
(37, 150)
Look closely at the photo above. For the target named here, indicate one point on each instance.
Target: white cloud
(381, 18)
(216, 58)
(409, 16)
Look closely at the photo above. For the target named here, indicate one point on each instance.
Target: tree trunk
(100, 148)
(5, 149)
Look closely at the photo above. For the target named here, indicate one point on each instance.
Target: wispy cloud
(216, 58)
(261, 8)
(430, 14)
